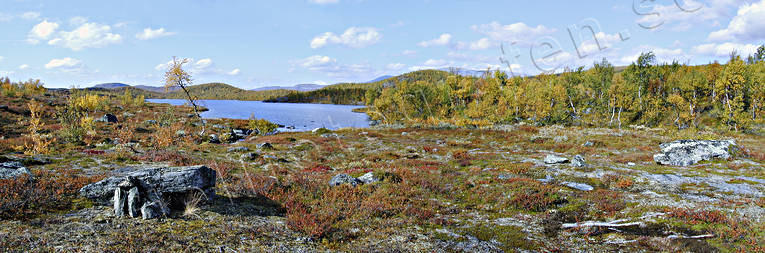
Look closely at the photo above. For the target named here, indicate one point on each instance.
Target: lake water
(304, 117)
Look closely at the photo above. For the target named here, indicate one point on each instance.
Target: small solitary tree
(176, 76)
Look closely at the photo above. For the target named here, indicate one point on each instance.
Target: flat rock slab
(162, 181)
(689, 152)
(12, 170)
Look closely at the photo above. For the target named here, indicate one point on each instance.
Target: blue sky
(252, 44)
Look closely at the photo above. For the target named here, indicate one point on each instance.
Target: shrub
(128, 100)
(262, 126)
(23, 197)
(40, 142)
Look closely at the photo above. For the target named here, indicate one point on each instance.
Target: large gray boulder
(10, 170)
(168, 185)
(689, 152)
(554, 159)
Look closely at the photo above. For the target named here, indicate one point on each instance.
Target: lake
(304, 117)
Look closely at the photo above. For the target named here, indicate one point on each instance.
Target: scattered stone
(109, 118)
(579, 186)
(218, 126)
(689, 152)
(151, 210)
(341, 179)
(560, 138)
(504, 176)
(238, 149)
(588, 144)
(631, 164)
(214, 138)
(578, 161)
(404, 133)
(553, 159)
(150, 122)
(368, 178)
(180, 133)
(10, 170)
(127, 115)
(330, 135)
(250, 156)
(265, 145)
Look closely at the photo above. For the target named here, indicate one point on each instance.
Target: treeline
(14, 89)
(645, 93)
(218, 91)
(355, 93)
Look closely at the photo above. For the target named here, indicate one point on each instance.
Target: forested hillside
(645, 93)
(219, 91)
(355, 93)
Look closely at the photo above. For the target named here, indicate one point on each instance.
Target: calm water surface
(303, 117)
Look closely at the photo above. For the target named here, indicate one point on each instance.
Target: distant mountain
(110, 85)
(379, 79)
(155, 88)
(299, 87)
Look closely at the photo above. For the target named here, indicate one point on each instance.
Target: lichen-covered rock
(134, 202)
(553, 159)
(119, 201)
(152, 210)
(368, 178)
(578, 161)
(238, 149)
(250, 156)
(341, 179)
(689, 152)
(109, 118)
(163, 181)
(265, 145)
(12, 170)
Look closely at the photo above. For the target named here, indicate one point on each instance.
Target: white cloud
(481, 44)
(30, 15)
(747, 25)
(1, 58)
(42, 31)
(204, 66)
(518, 32)
(324, 1)
(432, 64)
(23, 67)
(356, 37)
(395, 66)
(663, 55)
(76, 21)
(724, 49)
(472, 57)
(443, 40)
(87, 35)
(64, 63)
(331, 67)
(684, 14)
(148, 34)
